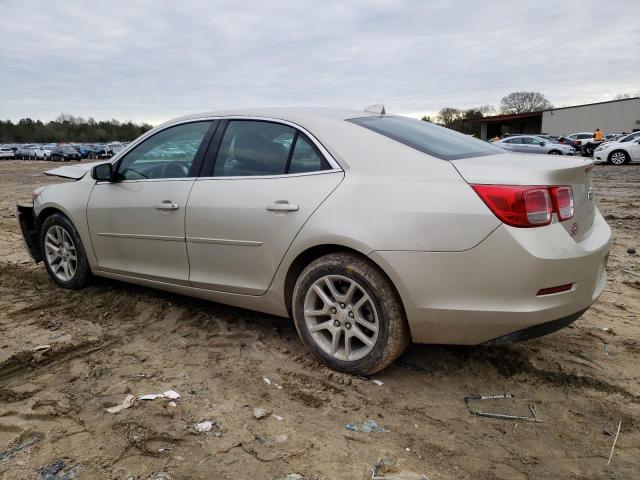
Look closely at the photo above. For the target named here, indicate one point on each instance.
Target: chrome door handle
(167, 205)
(283, 206)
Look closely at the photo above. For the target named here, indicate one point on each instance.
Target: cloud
(151, 60)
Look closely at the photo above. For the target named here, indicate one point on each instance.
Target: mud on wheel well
(308, 256)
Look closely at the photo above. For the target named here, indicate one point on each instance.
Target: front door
(137, 221)
(267, 181)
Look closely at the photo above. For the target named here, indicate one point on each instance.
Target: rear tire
(63, 253)
(618, 157)
(555, 152)
(348, 314)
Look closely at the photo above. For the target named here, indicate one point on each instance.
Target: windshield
(428, 138)
(68, 150)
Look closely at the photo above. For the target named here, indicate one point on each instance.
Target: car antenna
(377, 108)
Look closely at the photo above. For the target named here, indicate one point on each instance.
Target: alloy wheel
(61, 253)
(341, 317)
(618, 158)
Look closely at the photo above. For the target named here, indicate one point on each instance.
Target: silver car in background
(534, 144)
(369, 230)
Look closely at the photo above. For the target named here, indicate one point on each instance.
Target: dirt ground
(114, 339)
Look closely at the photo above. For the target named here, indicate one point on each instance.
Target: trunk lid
(544, 170)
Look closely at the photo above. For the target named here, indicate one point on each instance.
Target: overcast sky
(152, 60)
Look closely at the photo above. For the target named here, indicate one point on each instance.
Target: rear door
(532, 145)
(137, 221)
(513, 144)
(261, 182)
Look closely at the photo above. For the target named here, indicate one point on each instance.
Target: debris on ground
(367, 427)
(387, 470)
(24, 444)
(269, 382)
(172, 394)
(54, 471)
(208, 426)
(615, 440)
(499, 416)
(160, 476)
(378, 382)
(631, 251)
(41, 348)
(292, 476)
(204, 427)
(260, 413)
(128, 402)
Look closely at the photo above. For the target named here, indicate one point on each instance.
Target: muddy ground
(114, 339)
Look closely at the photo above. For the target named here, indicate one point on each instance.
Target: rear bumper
(27, 220)
(490, 291)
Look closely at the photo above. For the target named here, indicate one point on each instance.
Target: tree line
(465, 120)
(67, 128)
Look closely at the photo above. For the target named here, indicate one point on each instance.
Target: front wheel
(63, 253)
(348, 314)
(618, 157)
(555, 152)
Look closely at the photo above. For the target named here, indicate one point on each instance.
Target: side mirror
(103, 172)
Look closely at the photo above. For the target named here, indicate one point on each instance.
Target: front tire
(555, 152)
(63, 253)
(348, 314)
(618, 157)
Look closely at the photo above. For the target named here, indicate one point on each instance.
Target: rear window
(428, 138)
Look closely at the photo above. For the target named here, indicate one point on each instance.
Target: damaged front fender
(28, 225)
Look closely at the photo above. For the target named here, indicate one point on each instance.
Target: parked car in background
(86, 151)
(586, 143)
(64, 154)
(25, 152)
(47, 150)
(388, 230)
(6, 153)
(619, 153)
(534, 144)
(39, 153)
(102, 151)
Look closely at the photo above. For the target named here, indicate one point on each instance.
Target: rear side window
(428, 138)
(259, 148)
(306, 158)
(513, 141)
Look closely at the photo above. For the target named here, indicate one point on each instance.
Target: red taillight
(527, 206)
(563, 202)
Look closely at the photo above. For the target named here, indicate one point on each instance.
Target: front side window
(262, 148)
(167, 154)
(428, 138)
(513, 141)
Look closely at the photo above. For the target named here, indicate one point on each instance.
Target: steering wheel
(174, 170)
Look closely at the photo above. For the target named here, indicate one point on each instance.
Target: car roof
(300, 115)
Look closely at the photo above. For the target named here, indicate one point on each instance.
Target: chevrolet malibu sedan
(369, 230)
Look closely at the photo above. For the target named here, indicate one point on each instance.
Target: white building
(616, 116)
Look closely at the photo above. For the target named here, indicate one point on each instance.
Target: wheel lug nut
(350, 314)
(333, 310)
(342, 305)
(347, 325)
(336, 323)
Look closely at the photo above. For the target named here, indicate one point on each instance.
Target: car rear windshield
(428, 138)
